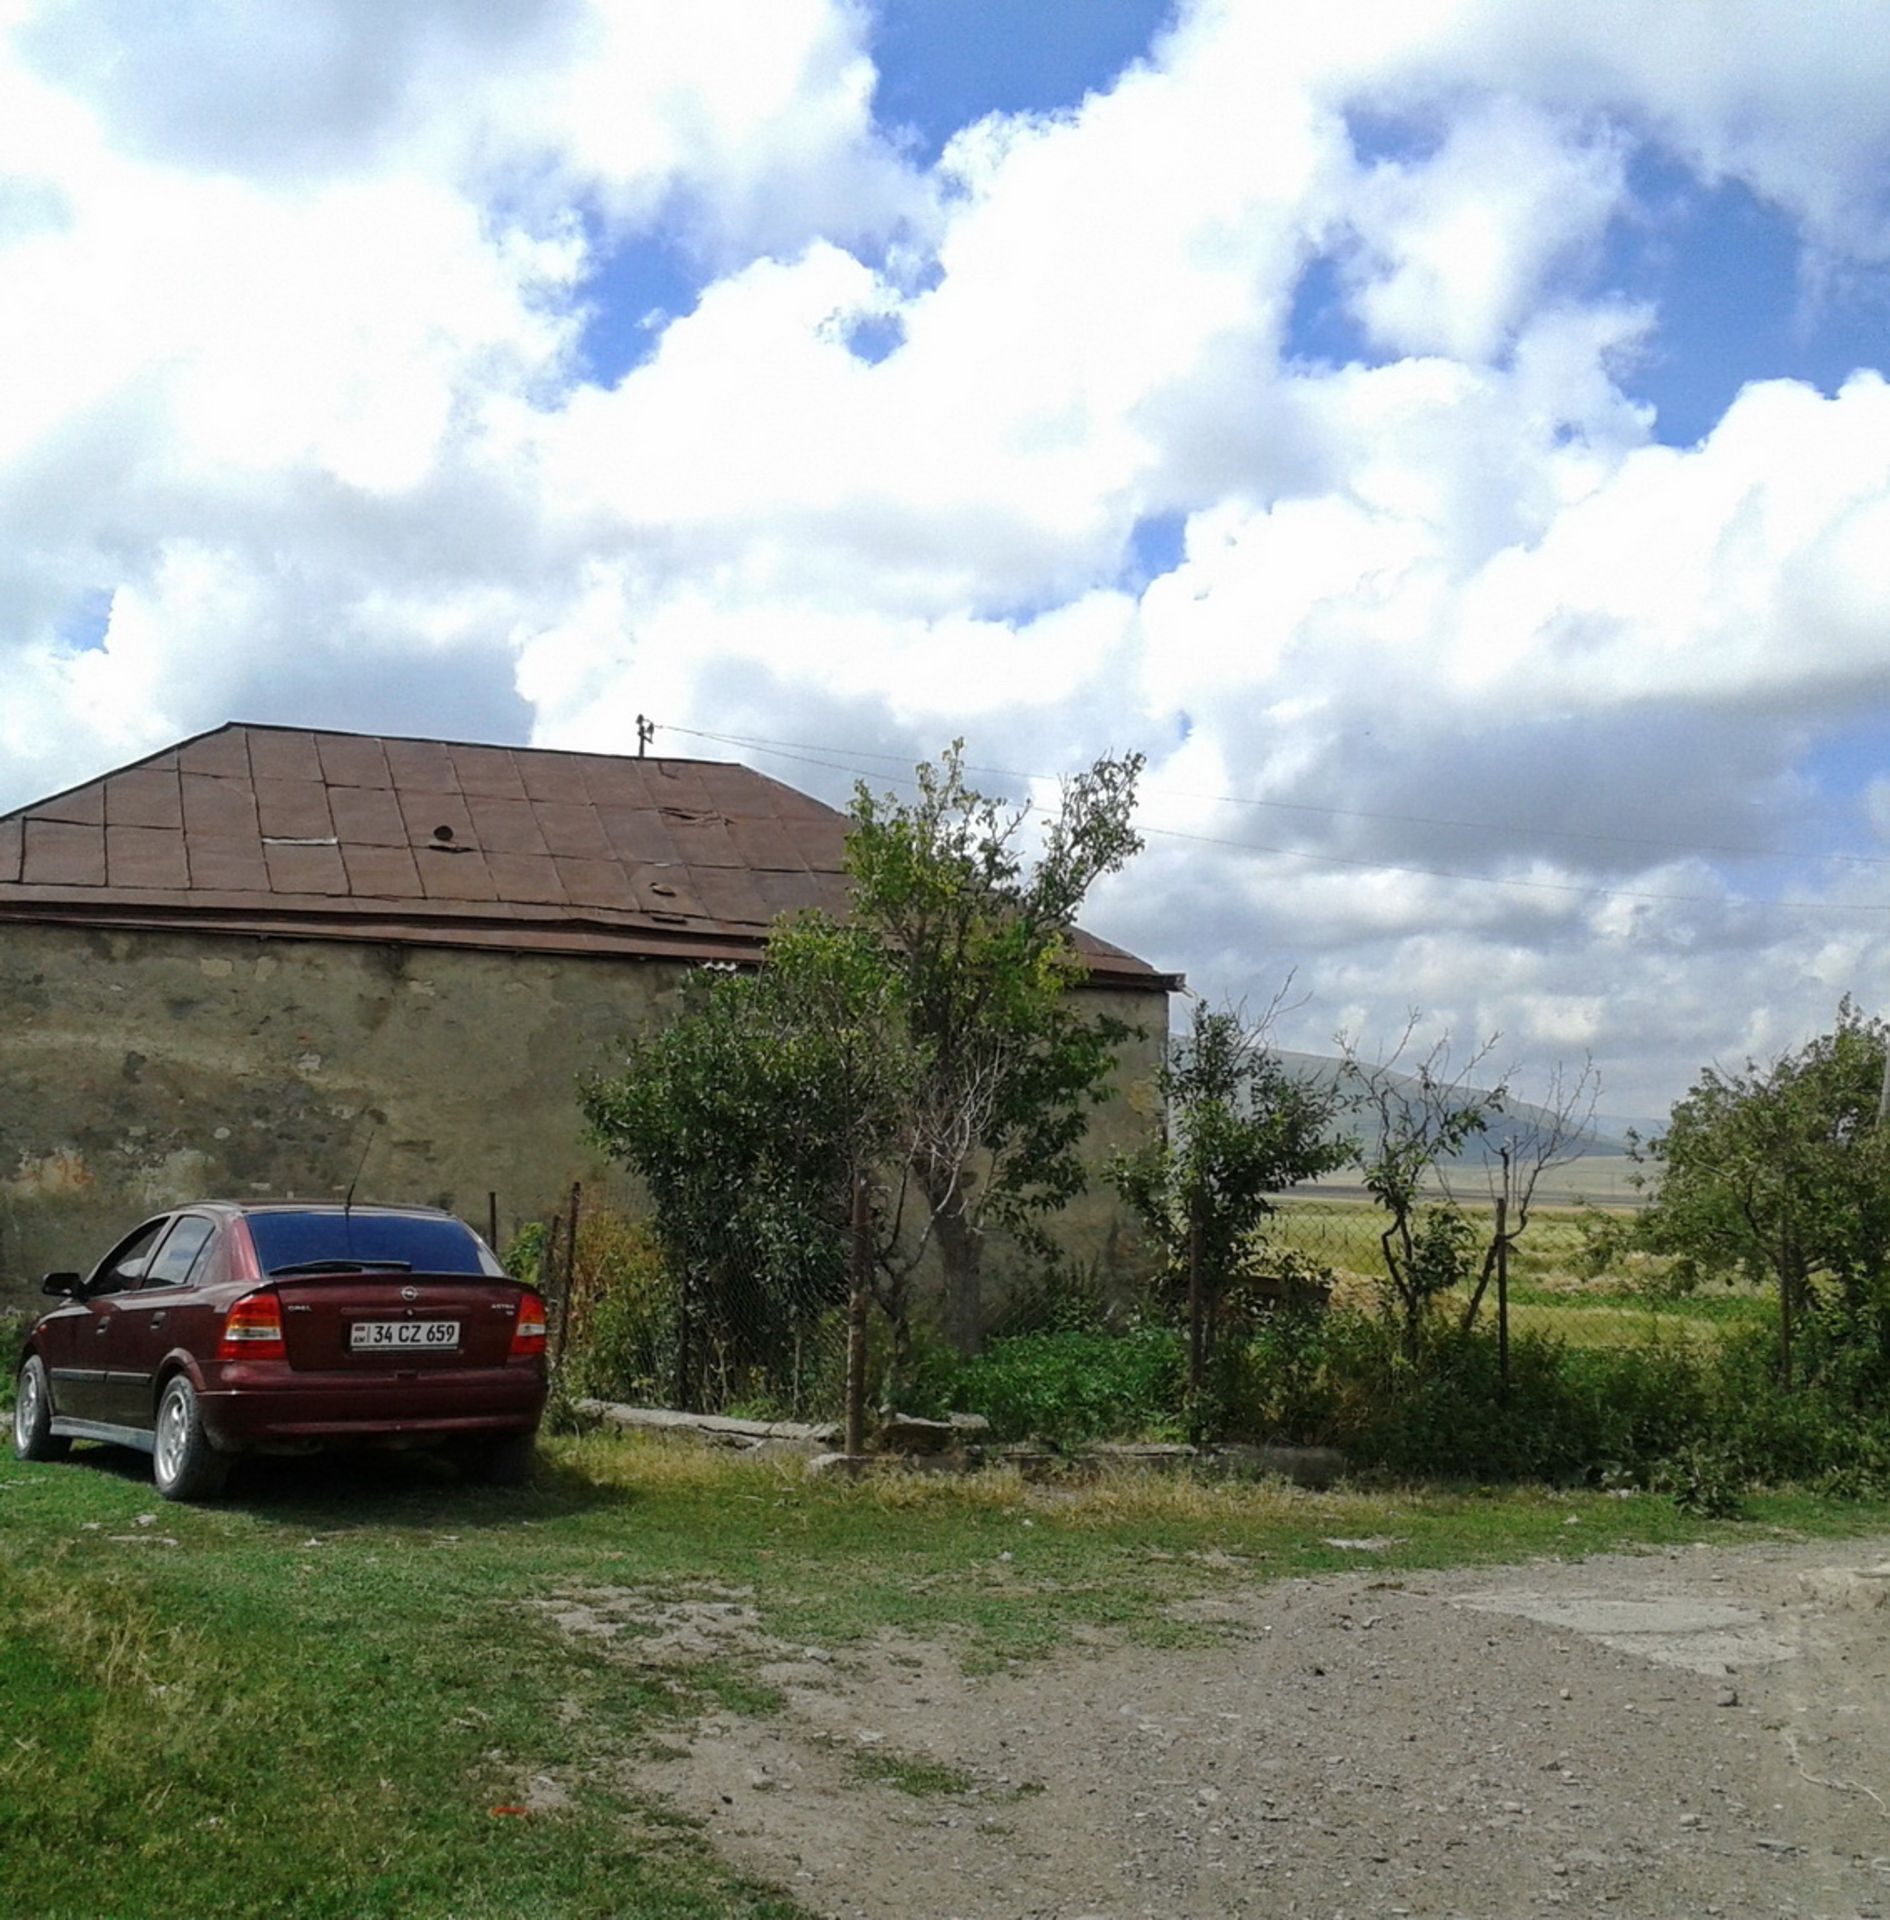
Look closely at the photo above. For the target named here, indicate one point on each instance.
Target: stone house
(268, 957)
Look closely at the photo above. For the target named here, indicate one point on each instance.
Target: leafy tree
(1416, 1123)
(755, 1120)
(978, 941)
(1780, 1174)
(1240, 1129)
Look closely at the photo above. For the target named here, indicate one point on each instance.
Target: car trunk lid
(372, 1320)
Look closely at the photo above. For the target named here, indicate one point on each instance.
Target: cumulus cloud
(1459, 687)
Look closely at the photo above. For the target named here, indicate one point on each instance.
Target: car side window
(172, 1264)
(124, 1266)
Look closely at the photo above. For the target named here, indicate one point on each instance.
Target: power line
(807, 754)
(786, 749)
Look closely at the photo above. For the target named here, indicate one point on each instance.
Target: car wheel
(184, 1464)
(500, 1463)
(33, 1437)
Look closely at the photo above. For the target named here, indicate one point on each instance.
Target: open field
(363, 1689)
(1547, 1289)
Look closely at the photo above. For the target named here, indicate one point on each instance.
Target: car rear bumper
(349, 1408)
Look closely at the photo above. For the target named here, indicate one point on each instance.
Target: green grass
(1547, 1290)
(314, 1702)
(923, 1779)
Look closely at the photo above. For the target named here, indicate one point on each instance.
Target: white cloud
(288, 320)
(1459, 246)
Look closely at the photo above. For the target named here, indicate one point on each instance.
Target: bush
(1068, 1388)
(1702, 1423)
(1571, 1414)
(1832, 1432)
(620, 1330)
(14, 1322)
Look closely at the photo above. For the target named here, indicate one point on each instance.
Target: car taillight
(528, 1330)
(252, 1330)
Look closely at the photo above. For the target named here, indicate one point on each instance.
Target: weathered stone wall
(141, 1070)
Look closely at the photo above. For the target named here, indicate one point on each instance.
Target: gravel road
(1691, 1732)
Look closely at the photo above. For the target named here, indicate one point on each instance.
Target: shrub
(1073, 1387)
(620, 1328)
(1703, 1480)
(1570, 1414)
(13, 1324)
(1831, 1432)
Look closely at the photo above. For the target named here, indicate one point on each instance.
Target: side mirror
(64, 1285)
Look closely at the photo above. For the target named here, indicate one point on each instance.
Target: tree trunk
(1786, 1303)
(859, 1299)
(960, 1252)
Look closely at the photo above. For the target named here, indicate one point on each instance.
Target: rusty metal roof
(279, 830)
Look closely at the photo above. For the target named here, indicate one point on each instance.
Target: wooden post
(859, 1299)
(570, 1271)
(684, 1292)
(492, 1221)
(548, 1260)
(1502, 1297)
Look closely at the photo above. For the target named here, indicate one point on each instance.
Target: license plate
(371, 1336)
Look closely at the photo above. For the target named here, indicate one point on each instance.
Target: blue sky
(1451, 442)
(1738, 298)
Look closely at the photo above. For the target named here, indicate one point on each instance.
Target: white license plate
(371, 1336)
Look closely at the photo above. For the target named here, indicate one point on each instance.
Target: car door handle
(157, 1319)
(102, 1325)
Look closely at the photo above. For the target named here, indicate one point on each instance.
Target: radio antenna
(348, 1198)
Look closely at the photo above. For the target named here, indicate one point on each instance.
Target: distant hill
(1603, 1137)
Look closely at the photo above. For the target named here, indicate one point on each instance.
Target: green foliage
(979, 941)
(524, 1258)
(13, 1325)
(1274, 1384)
(1781, 1174)
(748, 1119)
(620, 1337)
(1240, 1130)
(1703, 1480)
(1417, 1123)
(1443, 1247)
(1701, 1423)
(930, 1042)
(1070, 1388)
(1571, 1416)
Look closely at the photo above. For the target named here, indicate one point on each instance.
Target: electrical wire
(1728, 849)
(811, 754)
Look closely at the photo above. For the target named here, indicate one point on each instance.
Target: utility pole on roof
(646, 732)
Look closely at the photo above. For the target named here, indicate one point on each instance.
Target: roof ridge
(438, 740)
(350, 733)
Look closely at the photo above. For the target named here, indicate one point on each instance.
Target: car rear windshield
(426, 1245)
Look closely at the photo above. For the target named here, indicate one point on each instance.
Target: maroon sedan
(220, 1329)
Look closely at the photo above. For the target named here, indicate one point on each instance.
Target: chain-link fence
(626, 1327)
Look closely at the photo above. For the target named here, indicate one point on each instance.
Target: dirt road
(1695, 1732)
